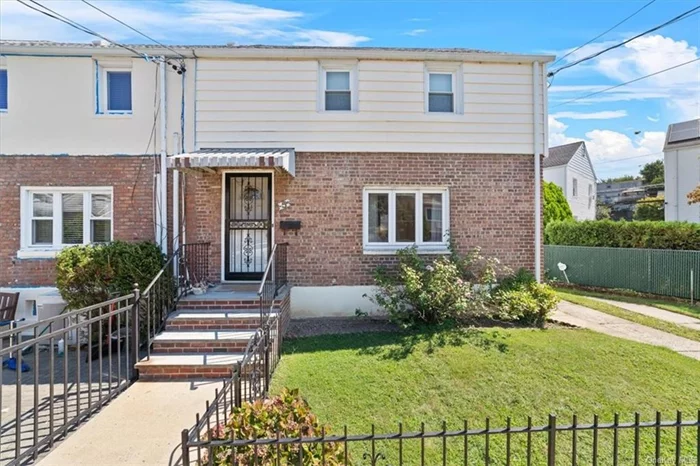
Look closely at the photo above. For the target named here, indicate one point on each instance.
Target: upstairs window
(397, 218)
(118, 91)
(440, 93)
(590, 195)
(574, 185)
(52, 218)
(3, 90)
(338, 93)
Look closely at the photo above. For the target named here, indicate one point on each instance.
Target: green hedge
(90, 274)
(642, 235)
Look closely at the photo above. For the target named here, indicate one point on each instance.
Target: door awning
(208, 159)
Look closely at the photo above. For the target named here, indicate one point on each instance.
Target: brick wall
(131, 178)
(491, 206)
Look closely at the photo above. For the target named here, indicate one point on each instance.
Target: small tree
(694, 196)
(556, 207)
(650, 208)
(653, 172)
(602, 212)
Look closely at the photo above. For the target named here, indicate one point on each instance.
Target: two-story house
(570, 167)
(356, 152)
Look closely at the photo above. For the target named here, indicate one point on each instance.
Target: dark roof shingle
(560, 155)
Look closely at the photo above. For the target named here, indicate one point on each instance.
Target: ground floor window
(394, 218)
(53, 218)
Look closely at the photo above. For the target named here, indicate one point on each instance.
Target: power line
(136, 30)
(602, 34)
(625, 83)
(628, 158)
(680, 17)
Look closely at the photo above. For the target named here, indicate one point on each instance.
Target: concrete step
(215, 319)
(187, 366)
(205, 341)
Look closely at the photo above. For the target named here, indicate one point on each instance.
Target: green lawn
(665, 326)
(387, 378)
(668, 305)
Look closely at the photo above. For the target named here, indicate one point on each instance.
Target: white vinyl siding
(395, 218)
(55, 217)
(246, 103)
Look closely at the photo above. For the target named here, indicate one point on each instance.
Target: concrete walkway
(140, 427)
(581, 316)
(661, 314)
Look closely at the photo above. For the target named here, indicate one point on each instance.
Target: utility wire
(136, 30)
(628, 158)
(602, 34)
(625, 83)
(680, 17)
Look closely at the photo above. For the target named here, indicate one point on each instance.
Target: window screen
(338, 93)
(440, 93)
(119, 91)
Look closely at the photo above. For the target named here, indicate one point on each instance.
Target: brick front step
(188, 319)
(187, 366)
(206, 341)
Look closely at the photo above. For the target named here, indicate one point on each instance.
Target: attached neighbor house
(570, 167)
(346, 154)
(682, 170)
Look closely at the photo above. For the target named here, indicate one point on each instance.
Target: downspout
(176, 206)
(537, 87)
(163, 240)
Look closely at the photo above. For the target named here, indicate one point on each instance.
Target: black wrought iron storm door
(248, 225)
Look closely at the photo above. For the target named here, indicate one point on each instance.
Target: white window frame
(457, 72)
(102, 88)
(27, 249)
(4, 68)
(325, 67)
(392, 245)
(574, 187)
(590, 195)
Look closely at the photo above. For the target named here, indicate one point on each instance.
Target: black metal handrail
(274, 279)
(186, 268)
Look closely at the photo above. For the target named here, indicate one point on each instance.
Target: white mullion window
(395, 218)
(54, 218)
(338, 87)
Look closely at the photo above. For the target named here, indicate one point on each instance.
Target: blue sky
(607, 122)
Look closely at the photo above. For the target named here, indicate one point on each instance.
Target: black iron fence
(63, 370)
(186, 268)
(674, 442)
(274, 279)
(250, 381)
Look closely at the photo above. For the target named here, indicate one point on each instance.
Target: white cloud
(415, 32)
(604, 115)
(679, 89)
(216, 21)
(653, 119)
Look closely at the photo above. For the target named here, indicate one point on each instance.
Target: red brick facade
(130, 176)
(491, 206)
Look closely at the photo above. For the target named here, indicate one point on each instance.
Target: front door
(248, 225)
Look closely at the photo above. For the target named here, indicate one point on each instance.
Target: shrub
(522, 299)
(556, 207)
(287, 414)
(606, 233)
(650, 208)
(90, 274)
(451, 287)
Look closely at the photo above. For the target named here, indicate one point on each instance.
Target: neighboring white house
(569, 167)
(682, 170)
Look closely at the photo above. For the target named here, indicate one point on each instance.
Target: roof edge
(281, 52)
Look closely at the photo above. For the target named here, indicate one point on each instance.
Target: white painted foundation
(330, 301)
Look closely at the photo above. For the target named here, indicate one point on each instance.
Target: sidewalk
(581, 316)
(140, 427)
(661, 314)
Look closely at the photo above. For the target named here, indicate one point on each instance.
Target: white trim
(273, 206)
(27, 250)
(457, 72)
(390, 247)
(347, 66)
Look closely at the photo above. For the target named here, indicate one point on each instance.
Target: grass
(671, 306)
(382, 379)
(669, 327)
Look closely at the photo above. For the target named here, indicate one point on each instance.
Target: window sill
(438, 249)
(37, 253)
(114, 115)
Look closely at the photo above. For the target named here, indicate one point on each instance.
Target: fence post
(266, 368)
(185, 449)
(135, 332)
(237, 384)
(552, 440)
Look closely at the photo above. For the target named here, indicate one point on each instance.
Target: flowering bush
(447, 288)
(288, 415)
